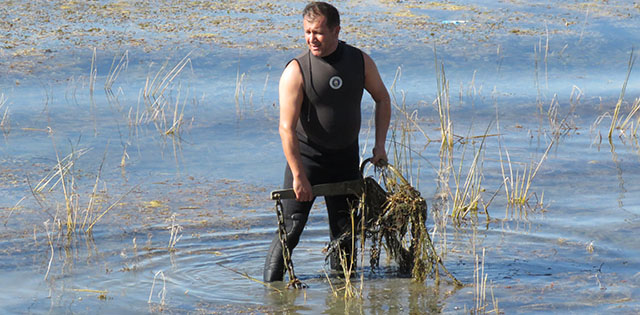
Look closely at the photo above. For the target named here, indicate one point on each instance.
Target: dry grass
(443, 106)
(628, 124)
(162, 293)
(167, 117)
(398, 220)
(115, 70)
(560, 126)
(93, 76)
(466, 192)
(615, 124)
(63, 179)
(5, 123)
(467, 196)
(480, 288)
(518, 186)
(175, 230)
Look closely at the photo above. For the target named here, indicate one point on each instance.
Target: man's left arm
(378, 91)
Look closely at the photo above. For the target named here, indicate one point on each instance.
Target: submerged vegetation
(54, 26)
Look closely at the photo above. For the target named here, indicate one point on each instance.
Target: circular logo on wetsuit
(335, 82)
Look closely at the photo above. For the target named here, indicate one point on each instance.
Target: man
(320, 93)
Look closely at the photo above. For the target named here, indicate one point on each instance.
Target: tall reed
(628, 123)
(443, 106)
(115, 70)
(517, 187)
(467, 195)
(158, 102)
(614, 119)
(5, 123)
(93, 74)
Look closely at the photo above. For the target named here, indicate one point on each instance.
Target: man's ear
(337, 30)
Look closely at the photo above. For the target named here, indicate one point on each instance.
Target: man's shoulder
(302, 54)
(350, 47)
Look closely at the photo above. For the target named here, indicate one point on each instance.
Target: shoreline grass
(614, 118)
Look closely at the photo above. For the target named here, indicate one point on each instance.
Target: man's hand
(379, 156)
(302, 188)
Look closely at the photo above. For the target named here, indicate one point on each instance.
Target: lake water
(186, 219)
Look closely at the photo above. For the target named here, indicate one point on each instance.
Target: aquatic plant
(240, 92)
(467, 196)
(92, 76)
(615, 124)
(175, 230)
(158, 103)
(49, 232)
(628, 123)
(68, 190)
(443, 106)
(77, 217)
(395, 217)
(517, 187)
(115, 70)
(402, 224)
(5, 123)
(628, 126)
(559, 126)
(466, 193)
(480, 288)
(162, 293)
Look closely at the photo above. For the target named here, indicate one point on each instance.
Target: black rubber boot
(274, 262)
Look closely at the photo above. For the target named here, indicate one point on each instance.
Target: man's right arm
(291, 95)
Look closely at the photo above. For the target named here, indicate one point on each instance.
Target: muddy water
(186, 218)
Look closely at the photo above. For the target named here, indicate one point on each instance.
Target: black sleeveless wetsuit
(328, 139)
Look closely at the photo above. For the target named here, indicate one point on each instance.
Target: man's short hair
(319, 8)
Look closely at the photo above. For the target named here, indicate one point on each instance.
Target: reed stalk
(468, 196)
(627, 123)
(443, 106)
(68, 190)
(163, 292)
(93, 74)
(347, 262)
(240, 91)
(156, 100)
(175, 233)
(91, 204)
(93, 223)
(559, 127)
(480, 284)
(411, 118)
(178, 115)
(5, 123)
(115, 70)
(50, 242)
(616, 112)
(245, 275)
(62, 168)
(517, 188)
(156, 88)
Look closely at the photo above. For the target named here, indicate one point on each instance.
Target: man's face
(321, 39)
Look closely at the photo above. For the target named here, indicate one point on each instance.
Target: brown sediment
(37, 31)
